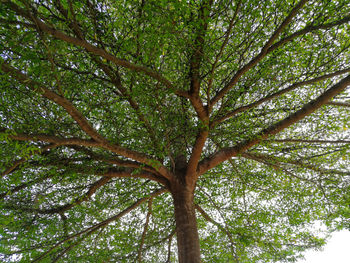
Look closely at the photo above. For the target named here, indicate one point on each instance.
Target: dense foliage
(104, 102)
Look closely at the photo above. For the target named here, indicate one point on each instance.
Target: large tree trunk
(186, 225)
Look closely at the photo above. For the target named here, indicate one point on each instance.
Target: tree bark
(186, 224)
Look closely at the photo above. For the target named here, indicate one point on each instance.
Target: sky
(337, 250)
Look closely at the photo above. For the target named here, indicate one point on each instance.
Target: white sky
(337, 250)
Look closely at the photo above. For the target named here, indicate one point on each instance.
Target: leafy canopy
(100, 99)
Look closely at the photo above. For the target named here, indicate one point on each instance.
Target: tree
(127, 123)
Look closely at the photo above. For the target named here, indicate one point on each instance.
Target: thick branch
(260, 56)
(191, 174)
(136, 174)
(308, 109)
(91, 143)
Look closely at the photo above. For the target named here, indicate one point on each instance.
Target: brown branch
(95, 50)
(308, 141)
(24, 185)
(149, 213)
(113, 160)
(196, 59)
(191, 174)
(279, 93)
(91, 143)
(92, 190)
(341, 104)
(308, 29)
(218, 225)
(260, 56)
(61, 209)
(103, 223)
(309, 108)
(116, 80)
(218, 56)
(197, 55)
(299, 163)
(127, 173)
(22, 160)
(169, 248)
(63, 102)
(274, 164)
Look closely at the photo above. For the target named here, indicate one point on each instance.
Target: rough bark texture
(186, 225)
(185, 215)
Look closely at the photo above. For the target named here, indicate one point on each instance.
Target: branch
(197, 55)
(142, 158)
(218, 56)
(116, 80)
(260, 56)
(196, 59)
(279, 93)
(298, 163)
(104, 223)
(219, 226)
(135, 174)
(57, 99)
(341, 104)
(308, 141)
(274, 164)
(20, 161)
(60, 209)
(149, 213)
(306, 30)
(309, 108)
(95, 50)
(191, 175)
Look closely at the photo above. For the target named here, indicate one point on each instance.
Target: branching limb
(116, 80)
(104, 223)
(61, 101)
(191, 174)
(340, 104)
(308, 29)
(17, 163)
(218, 56)
(142, 158)
(93, 49)
(279, 93)
(309, 108)
(273, 160)
(219, 226)
(309, 141)
(260, 56)
(275, 165)
(196, 59)
(61, 209)
(149, 213)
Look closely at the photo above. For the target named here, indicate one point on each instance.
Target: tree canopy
(172, 131)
